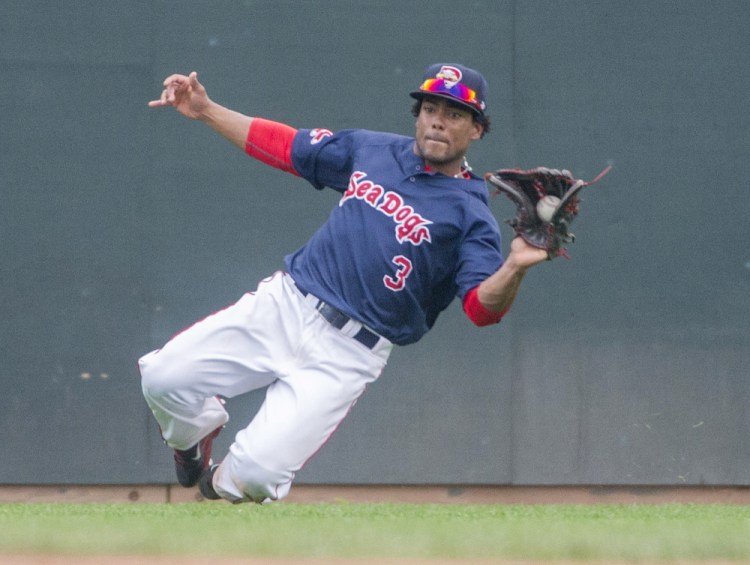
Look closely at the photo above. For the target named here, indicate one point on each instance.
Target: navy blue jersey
(402, 242)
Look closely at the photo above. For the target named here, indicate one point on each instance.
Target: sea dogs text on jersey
(410, 226)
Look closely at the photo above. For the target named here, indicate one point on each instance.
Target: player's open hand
(185, 94)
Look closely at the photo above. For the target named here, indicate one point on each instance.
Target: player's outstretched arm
(498, 292)
(189, 97)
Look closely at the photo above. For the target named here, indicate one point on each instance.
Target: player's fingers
(170, 92)
(174, 78)
(167, 98)
(173, 85)
(162, 101)
(174, 90)
(194, 83)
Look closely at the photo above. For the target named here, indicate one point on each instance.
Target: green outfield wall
(121, 225)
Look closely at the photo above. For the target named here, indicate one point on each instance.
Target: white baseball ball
(546, 207)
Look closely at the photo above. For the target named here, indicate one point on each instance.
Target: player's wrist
(515, 265)
(208, 112)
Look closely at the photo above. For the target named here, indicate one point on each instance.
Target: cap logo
(450, 75)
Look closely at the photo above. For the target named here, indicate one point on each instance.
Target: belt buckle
(332, 315)
(338, 320)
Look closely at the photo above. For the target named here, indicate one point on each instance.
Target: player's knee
(154, 380)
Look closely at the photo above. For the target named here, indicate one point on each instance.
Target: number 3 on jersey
(398, 282)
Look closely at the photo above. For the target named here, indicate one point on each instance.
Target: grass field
(611, 533)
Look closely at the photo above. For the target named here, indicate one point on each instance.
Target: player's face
(444, 134)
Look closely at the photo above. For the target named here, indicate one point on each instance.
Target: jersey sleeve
(324, 158)
(480, 254)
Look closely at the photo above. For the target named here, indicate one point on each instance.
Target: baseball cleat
(191, 463)
(206, 484)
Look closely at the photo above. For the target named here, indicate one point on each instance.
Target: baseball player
(411, 231)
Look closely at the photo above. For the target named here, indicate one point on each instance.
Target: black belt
(338, 320)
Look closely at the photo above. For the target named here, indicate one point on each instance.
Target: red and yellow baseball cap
(455, 82)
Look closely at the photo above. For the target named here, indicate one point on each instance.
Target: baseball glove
(546, 204)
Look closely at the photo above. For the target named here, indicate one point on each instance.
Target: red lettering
(410, 226)
(391, 203)
(362, 188)
(406, 229)
(417, 237)
(374, 194)
(352, 187)
(404, 213)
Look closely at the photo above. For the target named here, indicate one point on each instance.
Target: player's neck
(458, 172)
(453, 169)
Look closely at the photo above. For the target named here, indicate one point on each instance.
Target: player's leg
(300, 413)
(181, 381)
(226, 354)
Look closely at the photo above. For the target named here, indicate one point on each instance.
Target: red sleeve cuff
(477, 313)
(271, 143)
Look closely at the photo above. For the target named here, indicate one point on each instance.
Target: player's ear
(478, 130)
(416, 107)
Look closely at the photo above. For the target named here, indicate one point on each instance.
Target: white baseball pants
(274, 337)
